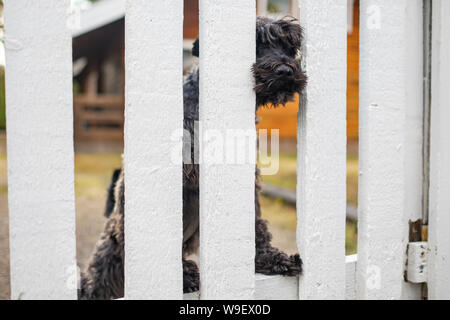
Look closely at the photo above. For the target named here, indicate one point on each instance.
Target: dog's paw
(295, 267)
(191, 283)
(288, 266)
(273, 262)
(191, 277)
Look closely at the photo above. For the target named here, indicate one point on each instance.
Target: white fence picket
(227, 102)
(413, 135)
(40, 149)
(439, 222)
(390, 94)
(350, 276)
(322, 150)
(153, 164)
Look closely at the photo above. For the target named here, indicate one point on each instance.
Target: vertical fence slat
(227, 102)
(40, 150)
(322, 150)
(413, 135)
(439, 222)
(153, 174)
(390, 75)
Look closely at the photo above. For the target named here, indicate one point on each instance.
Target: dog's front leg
(270, 260)
(104, 277)
(191, 277)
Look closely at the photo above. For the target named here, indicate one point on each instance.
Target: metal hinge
(417, 262)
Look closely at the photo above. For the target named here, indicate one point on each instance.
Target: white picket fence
(41, 157)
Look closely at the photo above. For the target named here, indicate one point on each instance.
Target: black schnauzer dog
(278, 77)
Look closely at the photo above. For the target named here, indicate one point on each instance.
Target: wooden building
(99, 72)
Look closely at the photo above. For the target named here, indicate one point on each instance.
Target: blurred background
(98, 83)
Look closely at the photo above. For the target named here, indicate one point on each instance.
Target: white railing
(40, 151)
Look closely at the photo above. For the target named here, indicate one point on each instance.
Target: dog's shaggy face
(277, 73)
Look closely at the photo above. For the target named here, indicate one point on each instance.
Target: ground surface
(92, 176)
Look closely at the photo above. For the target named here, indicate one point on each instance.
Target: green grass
(93, 173)
(285, 216)
(3, 173)
(287, 175)
(351, 238)
(352, 179)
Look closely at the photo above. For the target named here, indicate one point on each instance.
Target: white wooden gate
(40, 151)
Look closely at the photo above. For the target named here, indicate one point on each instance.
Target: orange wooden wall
(282, 118)
(190, 28)
(353, 76)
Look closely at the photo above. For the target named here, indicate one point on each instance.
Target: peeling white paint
(227, 101)
(40, 150)
(321, 195)
(153, 175)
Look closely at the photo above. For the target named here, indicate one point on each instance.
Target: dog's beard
(272, 89)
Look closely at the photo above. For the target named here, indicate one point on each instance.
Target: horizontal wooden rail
(100, 100)
(99, 120)
(286, 288)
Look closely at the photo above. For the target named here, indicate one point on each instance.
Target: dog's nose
(284, 70)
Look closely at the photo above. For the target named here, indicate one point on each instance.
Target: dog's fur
(277, 77)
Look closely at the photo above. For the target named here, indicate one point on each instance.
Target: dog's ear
(196, 48)
(292, 30)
